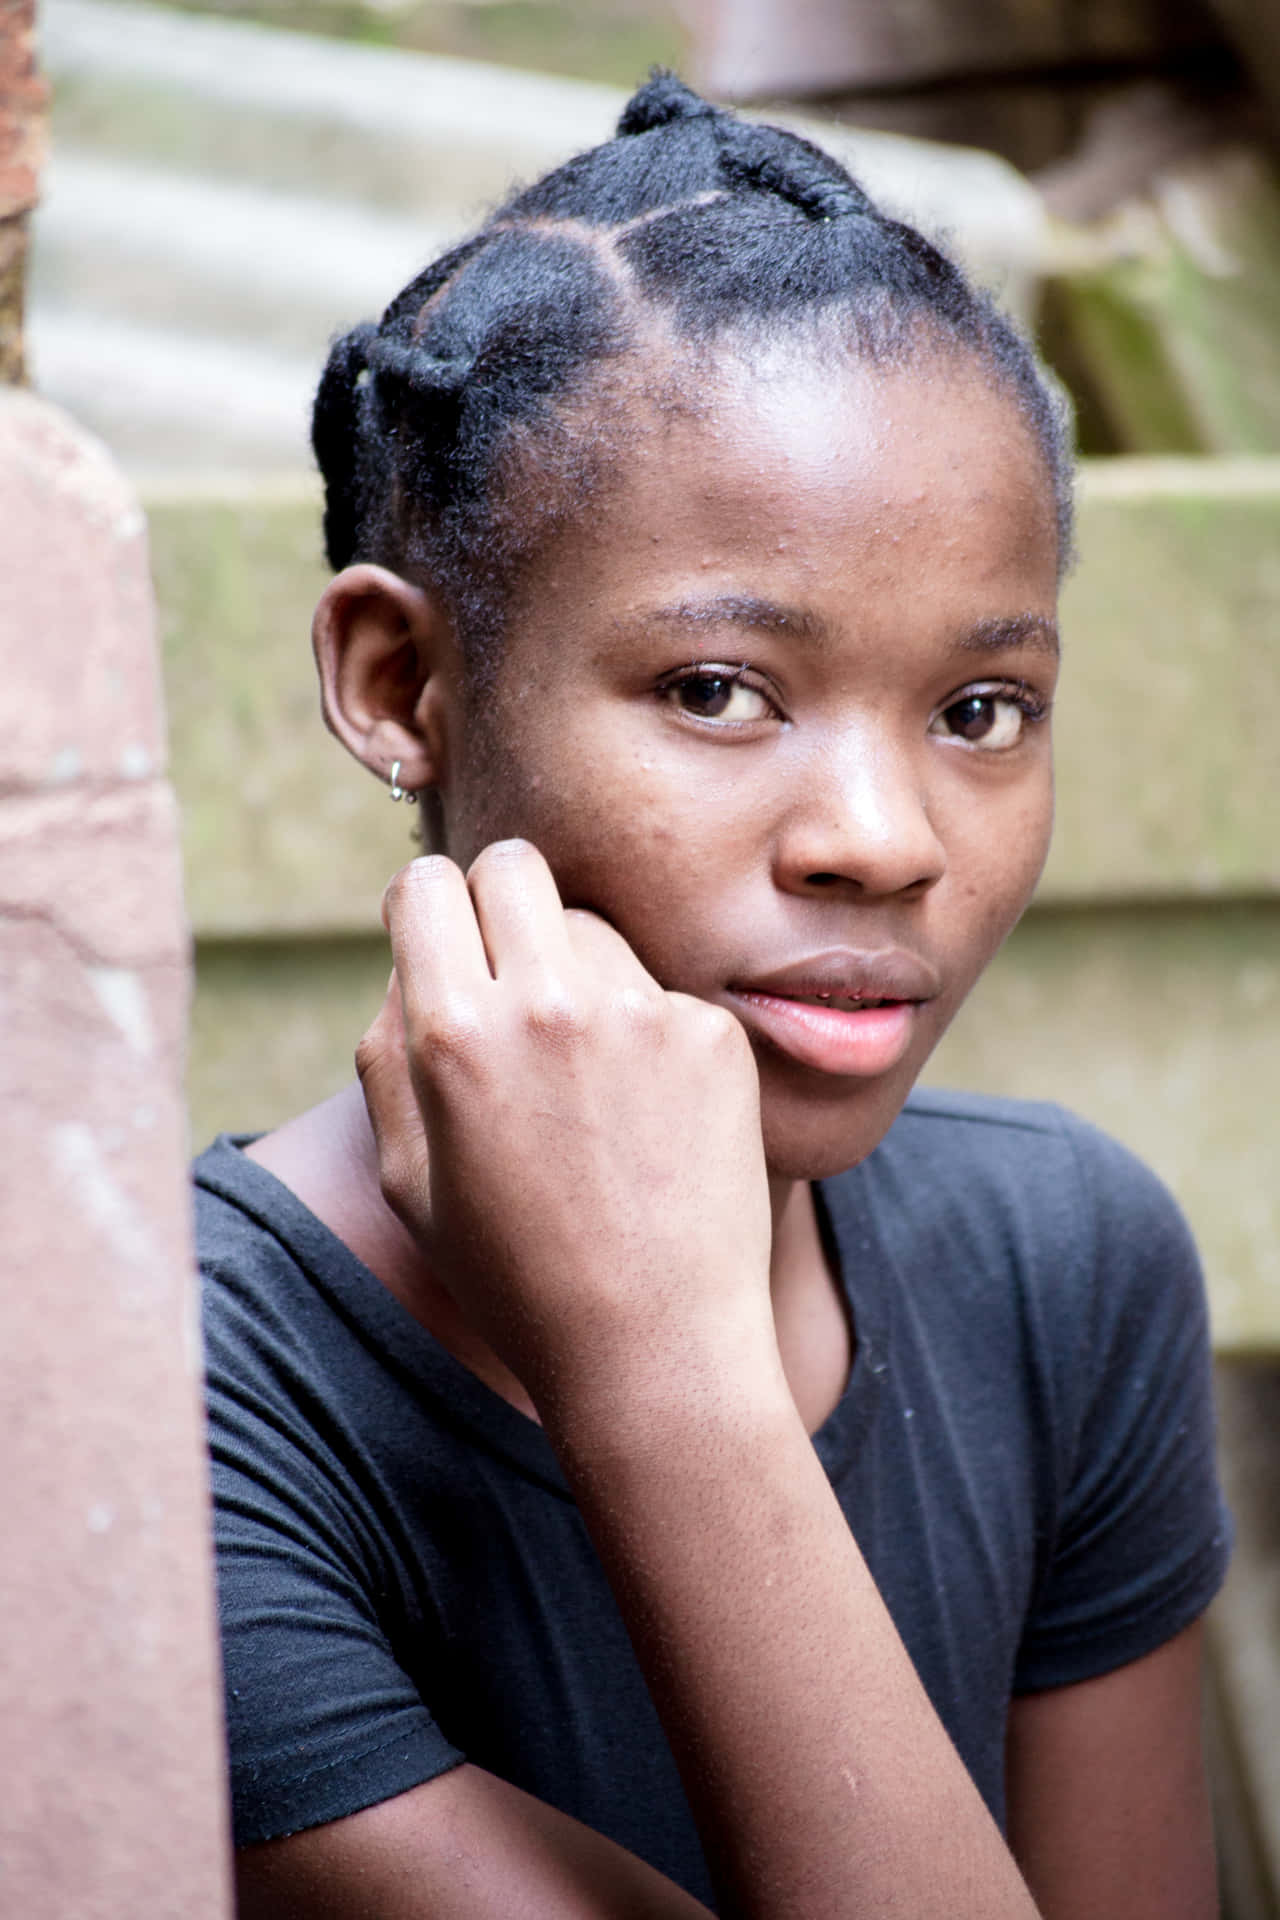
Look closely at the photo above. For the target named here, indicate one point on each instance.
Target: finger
(599, 946)
(393, 1107)
(435, 940)
(519, 912)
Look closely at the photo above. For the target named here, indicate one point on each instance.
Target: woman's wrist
(670, 1399)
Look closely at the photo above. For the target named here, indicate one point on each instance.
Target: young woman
(661, 1467)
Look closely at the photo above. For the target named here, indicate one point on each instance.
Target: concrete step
(183, 251)
(224, 197)
(425, 133)
(163, 398)
(306, 113)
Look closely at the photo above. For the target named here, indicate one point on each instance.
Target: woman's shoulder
(247, 1220)
(990, 1123)
(1026, 1200)
(280, 1290)
(985, 1143)
(1045, 1275)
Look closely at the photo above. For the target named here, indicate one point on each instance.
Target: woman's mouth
(833, 1033)
(840, 1012)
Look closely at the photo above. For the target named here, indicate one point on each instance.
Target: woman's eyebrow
(1030, 630)
(747, 611)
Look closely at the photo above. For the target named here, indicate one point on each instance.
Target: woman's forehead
(847, 463)
(791, 398)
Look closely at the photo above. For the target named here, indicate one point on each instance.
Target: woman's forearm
(612, 1245)
(822, 1781)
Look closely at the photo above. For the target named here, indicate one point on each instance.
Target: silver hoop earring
(397, 792)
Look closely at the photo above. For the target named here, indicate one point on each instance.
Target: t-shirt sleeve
(1142, 1536)
(322, 1717)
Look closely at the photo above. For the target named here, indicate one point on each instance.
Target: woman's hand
(577, 1151)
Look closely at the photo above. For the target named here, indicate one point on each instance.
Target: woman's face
(778, 710)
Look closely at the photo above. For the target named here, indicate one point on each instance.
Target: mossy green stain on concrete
(1115, 338)
(1168, 720)
(282, 830)
(1167, 726)
(274, 1026)
(1175, 339)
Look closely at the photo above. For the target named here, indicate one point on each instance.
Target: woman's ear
(384, 650)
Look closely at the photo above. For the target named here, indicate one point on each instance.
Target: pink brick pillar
(22, 127)
(112, 1803)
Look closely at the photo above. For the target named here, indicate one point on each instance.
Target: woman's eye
(989, 720)
(718, 696)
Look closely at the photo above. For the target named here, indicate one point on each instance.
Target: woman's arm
(580, 1157)
(466, 1846)
(1108, 1814)
(1108, 1803)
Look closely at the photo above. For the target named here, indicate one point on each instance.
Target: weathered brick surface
(113, 1796)
(23, 102)
(23, 99)
(13, 263)
(97, 721)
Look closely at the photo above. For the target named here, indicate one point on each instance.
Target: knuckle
(592, 938)
(581, 921)
(643, 1012)
(552, 1014)
(368, 1054)
(402, 1181)
(377, 1045)
(716, 1027)
(450, 1032)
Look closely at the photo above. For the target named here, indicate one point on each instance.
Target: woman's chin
(817, 1125)
(794, 1151)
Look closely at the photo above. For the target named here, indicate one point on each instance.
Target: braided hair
(457, 432)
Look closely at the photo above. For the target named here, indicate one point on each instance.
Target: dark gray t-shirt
(1024, 1452)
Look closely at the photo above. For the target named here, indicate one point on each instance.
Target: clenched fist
(577, 1151)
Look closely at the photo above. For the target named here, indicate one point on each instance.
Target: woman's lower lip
(865, 1042)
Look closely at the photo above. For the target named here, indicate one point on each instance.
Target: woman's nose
(858, 815)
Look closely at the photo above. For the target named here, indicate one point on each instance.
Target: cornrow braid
(767, 160)
(337, 436)
(663, 99)
(449, 435)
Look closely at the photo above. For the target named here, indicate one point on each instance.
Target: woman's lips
(844, 1011)
(861, 1041)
